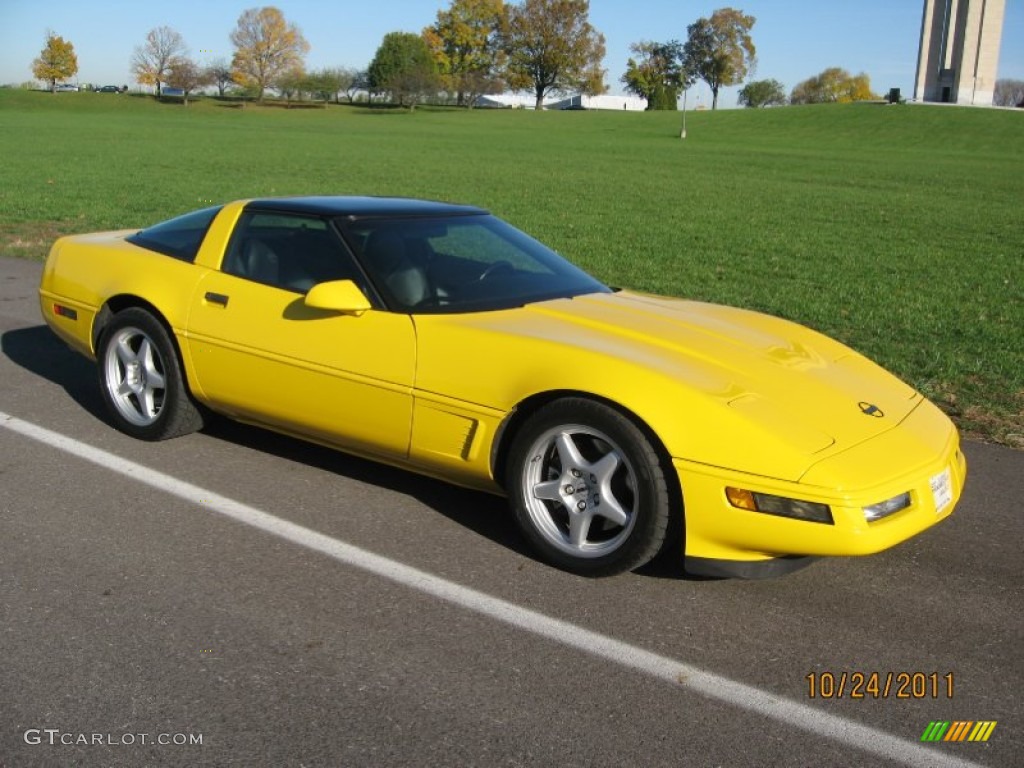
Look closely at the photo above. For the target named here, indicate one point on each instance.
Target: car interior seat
(258, 261)
(388, 258)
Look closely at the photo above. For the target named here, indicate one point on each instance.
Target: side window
(288, 251)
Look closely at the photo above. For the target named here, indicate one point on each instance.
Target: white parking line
(686, 676)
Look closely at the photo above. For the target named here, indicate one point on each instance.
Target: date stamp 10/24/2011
(879, 685)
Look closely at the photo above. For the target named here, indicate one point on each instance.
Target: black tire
(141, 380)
(571, 457)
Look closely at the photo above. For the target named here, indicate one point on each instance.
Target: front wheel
(588, 489)
(141, 380)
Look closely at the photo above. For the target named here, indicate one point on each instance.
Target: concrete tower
(959, 51)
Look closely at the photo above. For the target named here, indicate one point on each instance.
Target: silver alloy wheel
(133, 372)
(580, 491)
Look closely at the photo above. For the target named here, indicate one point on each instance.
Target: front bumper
(904, 459)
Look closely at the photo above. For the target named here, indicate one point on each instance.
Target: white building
(579, 101)
(513, 100)
(604, 101)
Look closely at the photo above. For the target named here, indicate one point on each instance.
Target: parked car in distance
(66, 88)
(108, 89)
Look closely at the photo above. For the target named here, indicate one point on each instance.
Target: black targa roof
(359, 207)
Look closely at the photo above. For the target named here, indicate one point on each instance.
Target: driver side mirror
(341, 296)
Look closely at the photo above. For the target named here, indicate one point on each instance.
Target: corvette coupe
(438, 338)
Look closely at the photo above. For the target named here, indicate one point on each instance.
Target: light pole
(682, 133)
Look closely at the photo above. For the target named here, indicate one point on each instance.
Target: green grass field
(898, 230)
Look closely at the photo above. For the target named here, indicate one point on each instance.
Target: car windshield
(179, 237)
(461, 263)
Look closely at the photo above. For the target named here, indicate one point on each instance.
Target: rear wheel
(588, 489)
(141, 380)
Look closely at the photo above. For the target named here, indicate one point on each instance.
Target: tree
(152, 61)
(328, 83)
(833, 85)
(266, 47)
(360, 82)
(219, 74)
(185, 74)
(404, 67)
(1009, 93)
(719, 49)
(657, 74)
(57, 61)
(763, 93)
(552, 47)
(466, 46)
(292, 83)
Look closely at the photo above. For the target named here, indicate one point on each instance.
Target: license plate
(942, 490)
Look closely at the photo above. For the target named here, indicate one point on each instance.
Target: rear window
(180, 237)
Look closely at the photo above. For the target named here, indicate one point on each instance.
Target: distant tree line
(485, 46)
(720, 51)
(475, 47)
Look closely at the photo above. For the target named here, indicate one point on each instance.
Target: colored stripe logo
(958, 730)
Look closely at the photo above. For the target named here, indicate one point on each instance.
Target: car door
(260, 354)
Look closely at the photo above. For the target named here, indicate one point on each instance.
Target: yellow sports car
(438, 338)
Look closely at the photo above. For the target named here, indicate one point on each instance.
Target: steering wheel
(497, 268)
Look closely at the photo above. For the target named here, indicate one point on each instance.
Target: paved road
(131, 612)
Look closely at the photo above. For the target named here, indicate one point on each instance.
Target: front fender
(689, 411)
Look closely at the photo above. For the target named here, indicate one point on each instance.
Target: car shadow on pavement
(39, 351)
(484, 514)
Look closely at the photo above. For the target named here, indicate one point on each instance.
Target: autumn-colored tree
(151, 62)
(552, 47)
(465, 42)
(719, 50)
(657, 73)
(404, 67)
(762, 93)
(266, 47)
(57, 61)
(185, 74)
(833, 85)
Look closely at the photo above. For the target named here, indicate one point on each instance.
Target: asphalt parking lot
(239, 598)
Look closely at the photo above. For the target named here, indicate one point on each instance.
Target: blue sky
(795, 39)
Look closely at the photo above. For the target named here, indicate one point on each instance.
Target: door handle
(216, 298)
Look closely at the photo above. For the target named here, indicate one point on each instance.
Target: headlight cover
(808, 511)
(887, 507)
